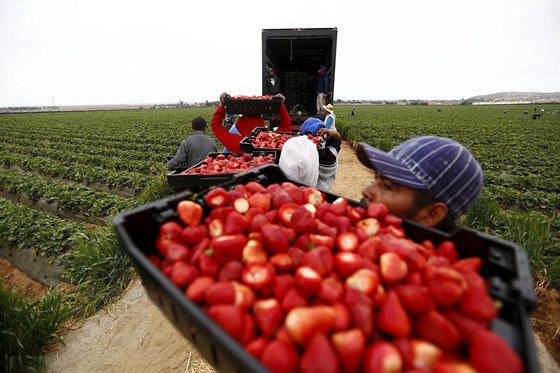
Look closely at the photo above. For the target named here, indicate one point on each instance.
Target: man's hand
(329, 133)
(281, 96)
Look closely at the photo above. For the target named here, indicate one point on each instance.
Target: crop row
(82, 174)
(122, 161)
(77, 199)
(24, 227)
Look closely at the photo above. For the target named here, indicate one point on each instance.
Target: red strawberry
(448, 250)
(382, 357)
(320, 259)
(183, 274)
(347, 241)
(280, 357)
(216, 227)
(258, 275)
(281, 198)
(249, 329)
(364, 280)
(235, 223)
(471, 264)
(418, 354)
(392, 267)
(208, 265)
(331, 290)
(227, 248)
(415, 299)
(355, 213)
(312, 195)
(258, 222)
(436, 328)
(192, 235)
(285, 213)
(338, 206)
(253, 187)
(451, 366)
(308, 281)
(256, 346)
(302, 220)
(319, 357)
(350, 346)
(293, 299)
(477, 303)
(392, 220)
(231, 318)
(196, 291)
(407, 250)
(445, 284)
(177, 252)
(268, 316)
(241, 205)
(282, 262)
(490, 353)
(220, 212)
(370, 248)
(392, 318)
(322, 240)
(466, 325)
(283, 283)
(220, 293)
(363, 317)
(346, 263)
(377, 211)
(217, 197)
(261, 200)
(369, 226)
(275, 239)
(254, 252)
(244, 296)
(231, 271)
(189, 212)
(171, 230)
(343, 318)
(303, 323)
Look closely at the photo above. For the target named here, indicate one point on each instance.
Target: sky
(82, 52)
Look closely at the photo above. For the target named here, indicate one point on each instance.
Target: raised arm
(229, 140)
(285, 120)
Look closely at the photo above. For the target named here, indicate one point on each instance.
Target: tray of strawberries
(262, 139)
(218, 168)
(264, 274)
(252, 105)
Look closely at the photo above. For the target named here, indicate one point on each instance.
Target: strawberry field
(63, 176)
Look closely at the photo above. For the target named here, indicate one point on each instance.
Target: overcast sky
(133, 51)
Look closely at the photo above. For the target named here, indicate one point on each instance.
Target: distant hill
(532, 97)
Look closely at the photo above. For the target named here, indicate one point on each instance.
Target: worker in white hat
(330, 119)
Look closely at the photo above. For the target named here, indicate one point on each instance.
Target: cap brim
(387, 165)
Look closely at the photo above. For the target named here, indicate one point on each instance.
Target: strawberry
(393, 268)
(256, 346)
(275, 239)
(227, 248)
(466, 325)
(407, 250)
(192, 235)
(321, 240)
(490, 353)
(377, 211)
(241, 205)
(302, 220)
(308, 281)
(199, 250)
(382, 357)
(235, 223)
(362, 317)
(415, 299)
(477, 303)
(268, 316)
(285, 213)
(331, 290)
(261, 200)
(303, 323)
(343, 319)
(177, 252)
(312, 195)
(338, 206)
(369, 227)
(220, 212)
(253, 187)
(258, 275)
(231, 318)
(249, 329)
(258, 222)
(392, 318)
(283, 283)
(350, 346)
(182, 274)
(216, 227)
(471, 264)
(189, 212)
(355, 213)
(171, 230)
(346, 263)
(220, 293)
(370, 248)
(392, 220)
(231, 271)
(320, 259)
(280, 357)
(347, 241)
(244, 296)
(437, 329)
(281, 198)
(447, 249)
(445, 284)
(418, 354)
(364, 280)
(217, 197)
(450, 366)
(282, 262)
(293, 299)
(208, 265)
(253, 252)
(196, 291)
(319, 357)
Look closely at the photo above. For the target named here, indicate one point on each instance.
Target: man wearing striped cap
(430, 180)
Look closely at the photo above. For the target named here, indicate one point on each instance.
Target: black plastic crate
(252, 106)
(247, 143)
(505, 267)
(179, 181)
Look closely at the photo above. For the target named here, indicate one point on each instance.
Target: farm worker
(299, 160)
(328, 161)
(272, 83)
(430, 180)
(194, 148)
(322, 89)
(244, 125)
(330, 119)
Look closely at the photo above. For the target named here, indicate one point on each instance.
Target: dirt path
(134, 336)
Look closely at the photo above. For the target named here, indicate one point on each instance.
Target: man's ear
(432, 215)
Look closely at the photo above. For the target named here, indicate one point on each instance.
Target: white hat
(299, 160)
(329, 108)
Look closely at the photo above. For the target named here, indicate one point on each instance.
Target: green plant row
(24, 227)
(26, 327)
(74, 198)
(125, 161)
(80, 173)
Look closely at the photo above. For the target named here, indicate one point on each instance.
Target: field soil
(132, 335)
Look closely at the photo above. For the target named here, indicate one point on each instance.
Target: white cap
(299, 160)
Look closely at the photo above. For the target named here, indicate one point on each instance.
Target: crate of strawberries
(261, 273)
(252, 105)
(218, 168)
(263, 139)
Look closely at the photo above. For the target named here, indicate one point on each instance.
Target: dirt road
(134, 336)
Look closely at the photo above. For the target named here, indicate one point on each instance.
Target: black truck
(296, 55)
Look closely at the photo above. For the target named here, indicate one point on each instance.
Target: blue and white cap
(439, 165)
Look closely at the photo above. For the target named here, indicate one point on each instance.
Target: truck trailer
(297, 55)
